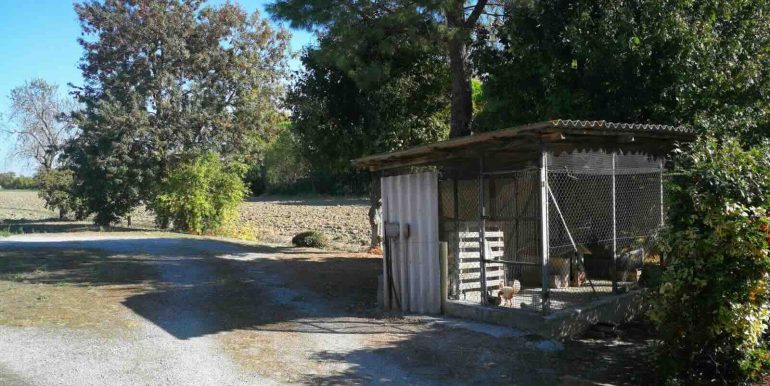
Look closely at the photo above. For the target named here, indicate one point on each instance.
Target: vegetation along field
(268, 219)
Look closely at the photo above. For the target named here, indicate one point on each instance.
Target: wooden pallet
(470, 261)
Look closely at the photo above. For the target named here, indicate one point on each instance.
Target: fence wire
(603, 213)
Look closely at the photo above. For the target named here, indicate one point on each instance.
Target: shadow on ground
(191, 288)
(56, 225)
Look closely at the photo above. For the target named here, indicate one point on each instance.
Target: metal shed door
(411, 201)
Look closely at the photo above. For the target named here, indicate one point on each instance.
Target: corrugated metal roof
(578, 124)
(544, 131)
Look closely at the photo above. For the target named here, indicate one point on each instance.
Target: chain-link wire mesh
(459, 225)
(513, 210)
(603, 210)
(508, 241)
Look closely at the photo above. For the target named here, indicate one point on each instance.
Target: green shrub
(56, 190)
(286, 170)
(200, 195)
(311, 239)
(255, 179)
(10, 180)
(711, 307)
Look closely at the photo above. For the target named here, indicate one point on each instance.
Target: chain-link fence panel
(604, 211)
(493, 219)
(513, 215)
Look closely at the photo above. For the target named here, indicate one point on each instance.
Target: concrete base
(557, 325)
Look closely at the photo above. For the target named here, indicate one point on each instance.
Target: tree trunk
(375, 212)
(462, 103)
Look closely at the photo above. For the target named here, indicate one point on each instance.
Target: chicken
(505, 294)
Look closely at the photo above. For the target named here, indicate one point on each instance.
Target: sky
(38, 39)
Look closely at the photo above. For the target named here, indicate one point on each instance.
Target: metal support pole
(456, 237)
(516, 274)
(614, 229)
(662, 215)
(482, 236)
(443, 251)
(544, 241)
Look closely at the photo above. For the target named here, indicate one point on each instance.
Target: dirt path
(127, 310)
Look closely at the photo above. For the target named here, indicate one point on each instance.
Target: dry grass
(23, 204)
(60, 288)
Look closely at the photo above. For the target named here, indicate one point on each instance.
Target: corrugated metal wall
(413, 199)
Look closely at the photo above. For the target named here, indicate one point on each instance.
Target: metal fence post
(482, 236)
(661, 194)
(544, 241)
(614, 270)
(443, 249)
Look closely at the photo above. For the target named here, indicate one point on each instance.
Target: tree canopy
(396, 30)
(703, 64)
(337, 118)
(166, 80)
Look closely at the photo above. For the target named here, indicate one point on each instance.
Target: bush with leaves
(200, 195)
(711, 308)
(55, 188)
(286, 170)
(10, 180)
(310, 239)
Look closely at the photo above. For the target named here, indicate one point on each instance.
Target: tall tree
(448, 24)
(166, 80)
(705, 64)
(38, 122)
(337, 117)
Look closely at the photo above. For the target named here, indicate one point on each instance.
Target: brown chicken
(505, 294)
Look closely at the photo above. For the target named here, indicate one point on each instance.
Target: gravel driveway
(101, 309)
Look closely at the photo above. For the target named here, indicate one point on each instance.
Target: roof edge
(602, 128)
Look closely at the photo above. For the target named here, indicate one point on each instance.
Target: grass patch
(68, 288)
(9, 231)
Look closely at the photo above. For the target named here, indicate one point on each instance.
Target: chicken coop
(538, 218)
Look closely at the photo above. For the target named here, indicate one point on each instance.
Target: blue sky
(38, 39)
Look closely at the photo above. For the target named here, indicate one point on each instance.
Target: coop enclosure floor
(564, 298)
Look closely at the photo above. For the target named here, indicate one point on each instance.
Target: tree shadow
(56, 225)
(449, 356)
(195, 287)
(192, 287)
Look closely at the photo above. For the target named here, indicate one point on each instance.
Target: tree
(396, 27)
(38, 122)
(336, 119)
(703, 64)
(164, 81)
(55, 188)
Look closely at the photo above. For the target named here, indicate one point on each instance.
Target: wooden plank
(470, 276)
(475, 255)
(475, 235)
(475, 265)
(488, 243)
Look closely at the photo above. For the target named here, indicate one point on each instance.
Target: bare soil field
(267, 219)
(343, 220)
